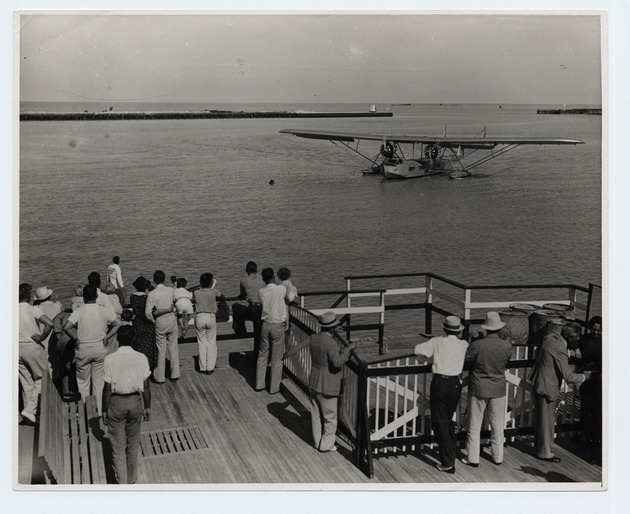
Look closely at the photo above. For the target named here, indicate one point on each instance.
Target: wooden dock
(256, 438)
(215, 430)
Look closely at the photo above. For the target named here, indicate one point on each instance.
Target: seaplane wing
(441, 141)
(437, 154)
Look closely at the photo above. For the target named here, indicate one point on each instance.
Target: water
(189, 196)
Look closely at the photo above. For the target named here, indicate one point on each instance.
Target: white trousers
(31, 367)
(206, 325)
(495, 408)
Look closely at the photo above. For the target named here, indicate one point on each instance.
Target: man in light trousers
(161, 310)
(488, 358)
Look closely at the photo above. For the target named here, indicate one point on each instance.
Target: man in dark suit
(551, 367)
(328, 358)
(488, 358)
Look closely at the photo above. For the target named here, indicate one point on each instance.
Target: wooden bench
(70, 438)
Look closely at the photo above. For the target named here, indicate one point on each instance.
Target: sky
(373, 58)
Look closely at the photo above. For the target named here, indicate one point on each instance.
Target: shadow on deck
(218, 430)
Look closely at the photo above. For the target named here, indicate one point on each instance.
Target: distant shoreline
(176, 115)
(569, 111)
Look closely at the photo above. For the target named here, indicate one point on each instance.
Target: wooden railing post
(428, 310)
(382, 348)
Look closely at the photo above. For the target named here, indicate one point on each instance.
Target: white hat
(43, 293)
(493, 321)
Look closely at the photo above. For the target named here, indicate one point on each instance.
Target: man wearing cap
(126, 401)
(274, 315)
(448, 353)
(488, 358)
(328, 357)
(551, 367)
(32, 357)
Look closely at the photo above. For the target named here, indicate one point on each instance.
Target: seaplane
(428, 155)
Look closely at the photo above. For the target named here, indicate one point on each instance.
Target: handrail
(463, 286)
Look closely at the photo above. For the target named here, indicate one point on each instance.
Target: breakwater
(569, 111)
(183, 115)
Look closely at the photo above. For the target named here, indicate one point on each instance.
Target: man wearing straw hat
(488, 358)
(448, 355)
(328, 358)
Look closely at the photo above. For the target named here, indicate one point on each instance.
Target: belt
(126, 394)
(255, 303)
(437, 375)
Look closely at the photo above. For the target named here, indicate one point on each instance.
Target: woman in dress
(144, 330)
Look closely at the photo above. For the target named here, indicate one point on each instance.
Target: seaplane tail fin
(460, 152)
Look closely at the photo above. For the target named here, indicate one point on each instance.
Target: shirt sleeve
(119, 276)
(107, 370)
(146, 372)
(427, 348)
(148, 310)
(74, 318)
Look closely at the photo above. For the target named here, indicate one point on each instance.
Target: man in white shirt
(274, 312)
(32, 356)
(126, 401)
(160, 309)
(448, 354)
(90, 326)
(115, 278)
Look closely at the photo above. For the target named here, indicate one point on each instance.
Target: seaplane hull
(411, 168)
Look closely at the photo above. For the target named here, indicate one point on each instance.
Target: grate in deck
(172, 440)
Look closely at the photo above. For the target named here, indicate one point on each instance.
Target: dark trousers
(445, 393)
(591, 409)
(251, 312)
(124, 423)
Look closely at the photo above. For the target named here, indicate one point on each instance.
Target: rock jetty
(183, 115)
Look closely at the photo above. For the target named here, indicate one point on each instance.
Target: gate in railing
(385, 403)
(397, 404)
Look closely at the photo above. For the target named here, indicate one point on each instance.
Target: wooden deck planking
(258, 438)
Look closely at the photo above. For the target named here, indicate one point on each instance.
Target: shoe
(333, 449)
(446, 469)
(550, 459)
(497, 463)
(259, 390)
(27, 422)
(468, 463)
(174, 379)
(209, 371)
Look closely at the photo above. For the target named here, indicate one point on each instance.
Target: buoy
(271, 182)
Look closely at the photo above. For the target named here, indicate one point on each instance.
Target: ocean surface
(190, 196)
